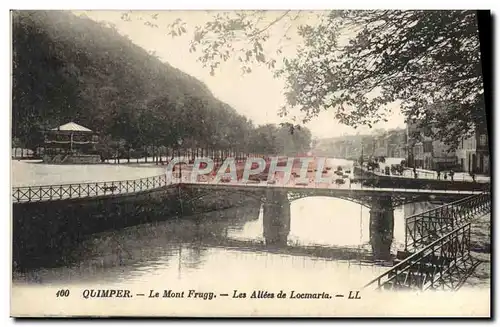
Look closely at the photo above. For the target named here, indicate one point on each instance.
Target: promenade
(432, 174)
(458, 176)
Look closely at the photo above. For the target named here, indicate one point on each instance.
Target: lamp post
(179, 141)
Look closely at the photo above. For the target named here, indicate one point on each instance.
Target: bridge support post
(276, 218)
(381, 227)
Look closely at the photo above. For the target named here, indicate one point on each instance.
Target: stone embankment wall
(42, 228)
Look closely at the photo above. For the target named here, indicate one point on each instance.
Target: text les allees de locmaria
(255, 294)
(295, 295)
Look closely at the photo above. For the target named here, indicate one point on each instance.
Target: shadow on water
(128, 249)
(340, 231)
(130, 245)
(190, 239)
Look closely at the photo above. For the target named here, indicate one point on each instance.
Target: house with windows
(396, 143)
(474, 155)
(426, 152)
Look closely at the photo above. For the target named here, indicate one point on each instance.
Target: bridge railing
(429, 267)
(83, 190)
(425, 227)
(277, 182)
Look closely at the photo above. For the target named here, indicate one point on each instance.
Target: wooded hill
(71, 68)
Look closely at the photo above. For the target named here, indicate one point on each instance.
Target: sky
(258, 95)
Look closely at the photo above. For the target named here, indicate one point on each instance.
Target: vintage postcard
(263, 163)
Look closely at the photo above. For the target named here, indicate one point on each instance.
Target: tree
(69, 68)
(360, 63)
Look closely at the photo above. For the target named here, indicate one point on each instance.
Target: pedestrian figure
(438, 174)
(473, 176)
(451, 174)
(445, 176)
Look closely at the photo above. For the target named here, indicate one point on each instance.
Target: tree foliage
(69, 68)
(360, 63)
(283, 140)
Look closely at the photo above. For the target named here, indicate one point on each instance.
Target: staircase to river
(437, 248)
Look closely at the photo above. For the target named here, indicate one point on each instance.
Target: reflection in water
(326, 235)
(338, 223)
(193, 243)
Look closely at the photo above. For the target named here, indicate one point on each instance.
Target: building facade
(396, 143)
(427, 153)
(473, 154)
(381, 143)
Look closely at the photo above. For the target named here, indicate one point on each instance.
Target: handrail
(83, 190)
(418, 254)
(85, 183)
(433, 227)
(271, 185)
(420, 226)
(80, 190)
(419, 215)
(381, 174)
(332, 187)
(454, 203)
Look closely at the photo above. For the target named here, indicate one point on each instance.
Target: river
(218, 248)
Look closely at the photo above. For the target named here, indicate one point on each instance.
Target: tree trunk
(155, 154)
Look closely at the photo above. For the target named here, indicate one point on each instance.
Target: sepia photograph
(250, 163)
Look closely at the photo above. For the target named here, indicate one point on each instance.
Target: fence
(292, 183)
(82, 190)
(427, 226)
(73, 191)
(443, 249)
(458, 175)
(432, 266)
(22, 153)
(376, 178)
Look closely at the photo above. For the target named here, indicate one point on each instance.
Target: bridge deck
(329, 187)
(109, 189)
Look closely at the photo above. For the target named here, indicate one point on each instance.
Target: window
(427, 131)
(482, 140)
(428, 147)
